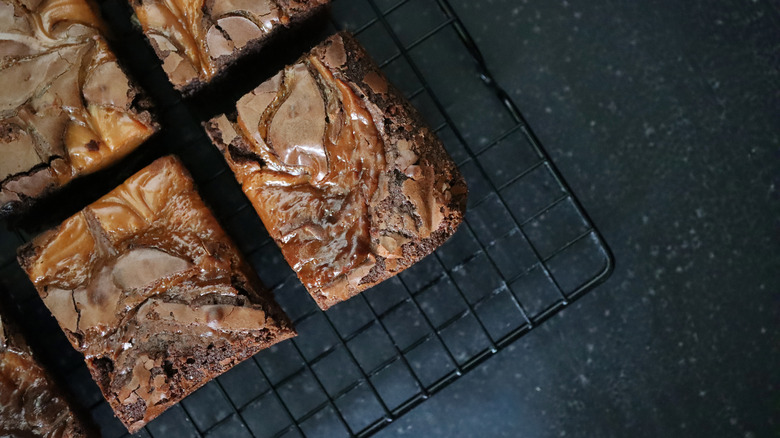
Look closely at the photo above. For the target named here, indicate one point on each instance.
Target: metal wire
(412, 357)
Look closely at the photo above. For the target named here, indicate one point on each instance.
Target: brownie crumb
(92, 146)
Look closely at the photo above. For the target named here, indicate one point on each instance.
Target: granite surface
(664, 117)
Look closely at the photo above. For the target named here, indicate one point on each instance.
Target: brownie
(31, 404)
(151, 290)
(68, 109)
(196, 40)
(350, 182)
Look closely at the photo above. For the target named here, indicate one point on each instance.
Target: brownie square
(197, 40)
(151, 290)
(349, 181)
(68, 109)
(31, 404)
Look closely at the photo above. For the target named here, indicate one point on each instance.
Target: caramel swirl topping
(141, 274)
(322, 155)
(348, 180)
(352, 188)
(65, 103)
(190, 36)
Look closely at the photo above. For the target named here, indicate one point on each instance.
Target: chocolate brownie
(31, 405)
(151, 290)
(68, 109)
(350, 182)
(197, 39)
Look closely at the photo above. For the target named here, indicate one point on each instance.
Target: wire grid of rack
(526, 250)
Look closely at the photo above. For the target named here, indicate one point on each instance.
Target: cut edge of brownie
(395, 118)
(215, 360)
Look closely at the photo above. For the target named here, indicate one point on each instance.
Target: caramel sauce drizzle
(320, 214)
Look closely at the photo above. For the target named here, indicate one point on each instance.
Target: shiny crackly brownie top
(30, 405)
(194, 38)
(66, 107)
(147, 285)
(339, 193)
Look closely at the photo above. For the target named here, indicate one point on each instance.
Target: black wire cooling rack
(526, 250)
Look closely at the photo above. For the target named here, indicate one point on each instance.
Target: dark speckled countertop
(664, 117)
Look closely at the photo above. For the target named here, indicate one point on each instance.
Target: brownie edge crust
(146, 284)
(352, 185)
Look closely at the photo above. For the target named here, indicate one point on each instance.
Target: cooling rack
(526, 250)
